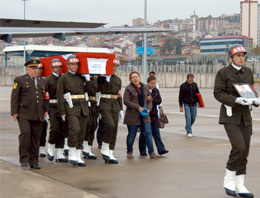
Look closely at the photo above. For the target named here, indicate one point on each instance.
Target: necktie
(33, 81)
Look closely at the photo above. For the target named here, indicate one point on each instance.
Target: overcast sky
(115, 12)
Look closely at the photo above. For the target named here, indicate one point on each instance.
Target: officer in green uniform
(236, 117)
(58, 127)
(93, 115)
(72, 105)
(29, 105)
(110, 107)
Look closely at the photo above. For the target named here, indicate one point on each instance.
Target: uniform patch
(15, 86)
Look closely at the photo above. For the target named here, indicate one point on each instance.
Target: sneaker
(189, 135)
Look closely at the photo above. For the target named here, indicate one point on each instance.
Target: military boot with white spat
(85, 150)
(80, 161)
(60, 156)
(42, 152)
(73, 156)
(90, 155)
(240, 187)
(66, 147)
(229, 183)
(105, 151)
(112, 160)
(51, 151)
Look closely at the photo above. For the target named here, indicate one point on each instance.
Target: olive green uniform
(27, 100)
(238, 124)
(77, 116)
(58, 127)
(109, 108)
(92, 124)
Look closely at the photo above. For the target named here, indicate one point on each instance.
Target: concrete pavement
(194, 167)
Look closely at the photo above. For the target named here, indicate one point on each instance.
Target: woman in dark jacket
(135, 99)
(155, 122)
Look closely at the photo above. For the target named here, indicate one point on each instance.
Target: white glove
(63, 117)
(87, 76)
(99, 116)
(243, 101)
(108, 78)
(47, 118)
(121, 116)
(257, 102)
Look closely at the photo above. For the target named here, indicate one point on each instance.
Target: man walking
(236, 116)
(29, 106)
(58, 127)
(188, 100)
(72, 105)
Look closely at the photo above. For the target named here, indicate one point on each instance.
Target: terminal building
(219, 45)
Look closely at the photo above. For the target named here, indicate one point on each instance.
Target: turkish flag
(89, 63)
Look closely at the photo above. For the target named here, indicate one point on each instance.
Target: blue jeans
(145, 135)
(190, 116)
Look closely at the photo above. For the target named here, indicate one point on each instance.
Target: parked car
(251, 60)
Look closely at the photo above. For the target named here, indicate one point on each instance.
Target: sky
(114, 12)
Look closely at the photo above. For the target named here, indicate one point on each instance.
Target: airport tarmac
(194, 167)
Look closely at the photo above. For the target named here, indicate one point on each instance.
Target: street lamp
(145, 44)
(24, 52)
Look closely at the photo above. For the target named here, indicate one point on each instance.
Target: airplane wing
(25, 28)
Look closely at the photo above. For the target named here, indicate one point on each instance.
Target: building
(219, 45)
(248, 9)
(139, 22)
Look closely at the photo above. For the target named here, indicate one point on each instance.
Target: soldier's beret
(32, 63)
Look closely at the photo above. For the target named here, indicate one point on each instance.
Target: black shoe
(24, 165)
(62, 160)
(163, 152)
(231, 192)
(42, 155)
(50, 157)
(112, 161)
(250, 195)
(143, 154)
(35, 166)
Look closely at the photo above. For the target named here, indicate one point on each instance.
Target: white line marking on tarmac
(204, 115)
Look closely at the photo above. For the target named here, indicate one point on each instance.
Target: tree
(171, 45)
(256, 50)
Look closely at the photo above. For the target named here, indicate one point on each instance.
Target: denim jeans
(190, 116)
(145, 137)
(157, 139)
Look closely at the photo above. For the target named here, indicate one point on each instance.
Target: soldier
(236, 117)
(29, 105)
(72, 105)
(58, 127)
(93, 114)
(45, 123)
(110, 108)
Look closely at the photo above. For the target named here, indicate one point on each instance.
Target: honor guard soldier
(72, 105)
(58, 127)
(110, 106)
(236, 117)
(93, 115)
(45, 123)
(29, 105)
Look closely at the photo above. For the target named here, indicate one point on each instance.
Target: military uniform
(27, 100)
(77, 115)
(58, 127)
(110, 107)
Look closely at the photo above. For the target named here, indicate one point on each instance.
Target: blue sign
(140, 50)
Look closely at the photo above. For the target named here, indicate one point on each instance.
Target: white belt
(77, 96)
(109, 96)
(53, 101)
